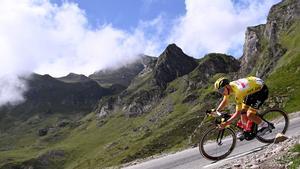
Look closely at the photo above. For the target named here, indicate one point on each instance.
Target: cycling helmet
(221, 82)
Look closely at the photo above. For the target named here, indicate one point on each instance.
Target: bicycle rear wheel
(280, 121)
(216, 144)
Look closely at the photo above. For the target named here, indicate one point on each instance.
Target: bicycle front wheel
(280, 121)
(216, 144)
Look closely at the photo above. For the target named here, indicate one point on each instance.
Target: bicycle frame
(269, 123)
(225, 116)
(222, 117)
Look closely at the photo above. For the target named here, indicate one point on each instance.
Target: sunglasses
(221, 90)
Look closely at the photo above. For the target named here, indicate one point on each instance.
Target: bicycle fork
(220, 136)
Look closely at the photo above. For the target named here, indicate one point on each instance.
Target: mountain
(122, 75)
(48, 96)
(172, 63)
(74, 78)
(158, 107)
(212, 64)
(148, 87)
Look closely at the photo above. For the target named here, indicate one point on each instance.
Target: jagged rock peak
(44, 78)
(173, 48)
(172, 52)
(217, 63)
(124, 74)
(210, 65)
(173, 63)
(74, 78)
(72, 75)
(75, 75)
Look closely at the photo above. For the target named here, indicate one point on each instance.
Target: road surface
(192, 159)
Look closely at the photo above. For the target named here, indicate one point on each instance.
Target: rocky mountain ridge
(74, 78)
(48, 96)
(124, 74)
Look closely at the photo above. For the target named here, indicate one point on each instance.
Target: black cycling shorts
(255, 100)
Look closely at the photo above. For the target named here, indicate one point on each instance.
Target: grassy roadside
(296, 159)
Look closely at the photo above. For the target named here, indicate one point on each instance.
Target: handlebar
(213, 113)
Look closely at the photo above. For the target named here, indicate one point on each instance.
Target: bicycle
(216, 144)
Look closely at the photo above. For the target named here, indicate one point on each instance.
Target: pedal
(272, 125)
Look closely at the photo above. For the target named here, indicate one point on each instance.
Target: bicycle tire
(284, 129)
(216, 158)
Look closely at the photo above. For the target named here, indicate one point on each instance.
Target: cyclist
(250, 93)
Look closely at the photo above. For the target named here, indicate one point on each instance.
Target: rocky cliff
(262, 48)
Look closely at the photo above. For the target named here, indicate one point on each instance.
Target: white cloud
(46, 38)
(37, 36)
(11, 89)
(217, 25)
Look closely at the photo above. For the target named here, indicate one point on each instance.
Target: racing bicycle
(216, 144)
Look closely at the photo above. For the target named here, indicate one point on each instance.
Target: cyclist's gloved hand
(210, 112)
(224, 125)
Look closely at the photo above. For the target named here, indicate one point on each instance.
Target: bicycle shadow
(251, 151)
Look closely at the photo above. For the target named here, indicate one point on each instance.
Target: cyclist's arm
(224, 103)
(233, 117)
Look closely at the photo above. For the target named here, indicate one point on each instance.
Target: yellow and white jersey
(243, 87)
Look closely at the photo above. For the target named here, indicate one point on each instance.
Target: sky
(127, 14)
(82, 36)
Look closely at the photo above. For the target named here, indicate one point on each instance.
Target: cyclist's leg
(251, 114)
(254, 101)
(244, 117)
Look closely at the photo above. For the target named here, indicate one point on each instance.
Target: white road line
(236, 156)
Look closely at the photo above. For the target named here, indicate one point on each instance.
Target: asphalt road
(192, 159)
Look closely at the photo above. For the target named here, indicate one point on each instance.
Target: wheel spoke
(280, 121)
(216, 144)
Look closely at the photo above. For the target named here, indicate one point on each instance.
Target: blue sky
(127, 14)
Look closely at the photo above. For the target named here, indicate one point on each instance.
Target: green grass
(295, 160)
(285, 79)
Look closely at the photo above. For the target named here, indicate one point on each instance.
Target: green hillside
(285, 79)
